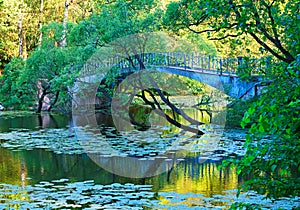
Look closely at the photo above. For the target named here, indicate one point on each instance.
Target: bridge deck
(193, 62)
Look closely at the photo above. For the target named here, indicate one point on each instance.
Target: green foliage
(236, 111)
(87, 32)
(13, 92)
(56, 67)
(194, 87)
(244, 206)
(32, 17)
(123, 18)
(273, 143)
(272, 159)
(202, 45)
(272, 25)
(8, 31)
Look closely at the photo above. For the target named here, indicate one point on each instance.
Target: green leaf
(273, 167)
(261, 129)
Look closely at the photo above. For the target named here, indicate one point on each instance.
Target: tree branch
(224, 37)
(178, 111)
(268, 48)
(261, 27)
(210, 30)
(160, 112)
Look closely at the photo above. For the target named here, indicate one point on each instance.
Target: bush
(13, 92)
(273, 144)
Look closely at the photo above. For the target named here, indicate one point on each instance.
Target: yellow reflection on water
(12, 171)
(194, 184)
(12, 168)
(203, 178)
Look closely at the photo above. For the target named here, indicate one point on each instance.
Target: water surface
(42, 160)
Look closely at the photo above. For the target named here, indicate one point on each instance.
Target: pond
(43, 165)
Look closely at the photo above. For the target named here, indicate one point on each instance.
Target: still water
(35, 175)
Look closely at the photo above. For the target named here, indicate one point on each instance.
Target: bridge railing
(192, 61)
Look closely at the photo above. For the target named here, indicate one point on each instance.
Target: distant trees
(8, 30)
(62, 46)
(39, 30)
(21, 22)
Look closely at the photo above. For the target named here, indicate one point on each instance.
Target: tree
(273, 143)
(64, 32)
(54, 68)
(18, 24)
(20, 19)
(22, 44)
(270, 23)
(8, 30)
(128, 31)
(122, 18)
(13, 90)
(41, 23)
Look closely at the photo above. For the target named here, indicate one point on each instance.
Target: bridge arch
(217, 72)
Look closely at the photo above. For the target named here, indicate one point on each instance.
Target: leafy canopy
(272, 24)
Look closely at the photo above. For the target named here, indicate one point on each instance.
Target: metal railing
(185, 61)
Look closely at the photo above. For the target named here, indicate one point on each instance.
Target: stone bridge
(218, 72)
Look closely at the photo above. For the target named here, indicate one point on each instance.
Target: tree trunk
(54, 102)
(41, 100)
(20, 30)
(41, 24)
(64, 33)
(43, 91)
(24, 47)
